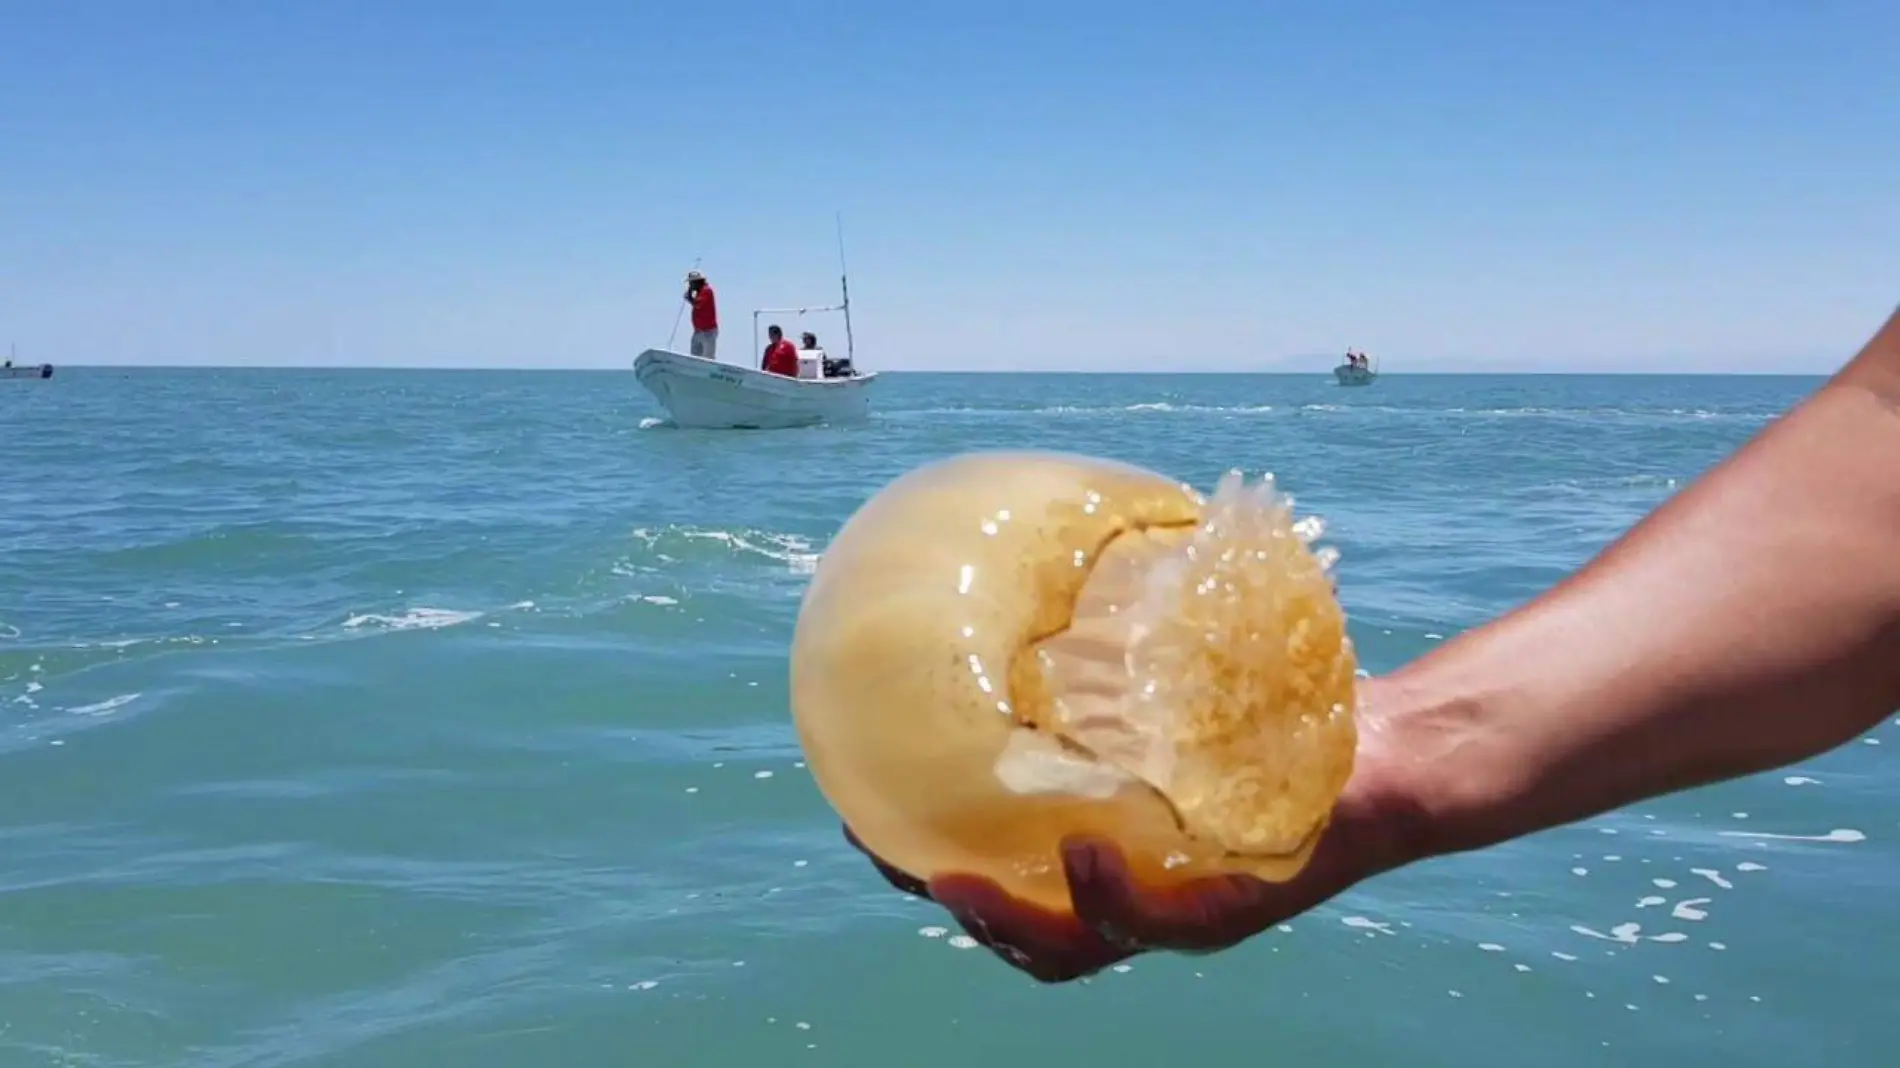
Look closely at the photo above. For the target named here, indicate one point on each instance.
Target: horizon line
(1278, 373)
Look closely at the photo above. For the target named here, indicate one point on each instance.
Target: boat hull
(38, 370)
(1348, 375)
(701, 394)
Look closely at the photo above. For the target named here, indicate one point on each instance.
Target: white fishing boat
(705, 394)
(702, 394)
(14, 369)
(1350, 374)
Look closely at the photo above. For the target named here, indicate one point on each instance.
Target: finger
(1201, 916)
(1050, 947)
(903, 881)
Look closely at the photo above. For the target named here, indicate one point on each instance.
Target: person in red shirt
(780, 357)
(699, 294)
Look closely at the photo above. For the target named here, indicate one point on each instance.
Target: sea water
(406, 718)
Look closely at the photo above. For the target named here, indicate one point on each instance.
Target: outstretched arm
(1751, 622)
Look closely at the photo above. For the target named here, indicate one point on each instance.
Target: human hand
(1377, 824)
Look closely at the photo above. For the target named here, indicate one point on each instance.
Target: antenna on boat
(844, 286)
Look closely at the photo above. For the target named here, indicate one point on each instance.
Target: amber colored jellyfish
(1004, 649)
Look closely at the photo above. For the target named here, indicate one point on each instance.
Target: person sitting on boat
(838, 368)
(780, 357)
(699, 293)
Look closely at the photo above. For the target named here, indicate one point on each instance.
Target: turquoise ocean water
(412, 718)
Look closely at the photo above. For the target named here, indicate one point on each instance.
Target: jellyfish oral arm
(1035, 763)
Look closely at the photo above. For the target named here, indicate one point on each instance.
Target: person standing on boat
(699, 293)
(780, 357)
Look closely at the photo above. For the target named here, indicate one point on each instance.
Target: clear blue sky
(1677, 185)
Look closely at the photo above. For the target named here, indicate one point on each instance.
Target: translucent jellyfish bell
(1001, 650)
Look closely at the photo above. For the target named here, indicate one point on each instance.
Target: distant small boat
(703, 394)
(1353, 375)
(24, 371)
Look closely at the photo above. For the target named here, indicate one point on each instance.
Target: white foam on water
(1839, 834)
(1713, 876)
(1580, 871)
(761, 774)
(1669, 937)
(644, 984)
(1366, 924)
(1562, 956)
(1651, 902)
(933, 932)
(659, 599)
(105, 707)
(1666, 884)
(1801, 780)
(1627, 933)
(1690, 909)
(1490, 947)
(1749, 865)
(414, 619)
(962, 942)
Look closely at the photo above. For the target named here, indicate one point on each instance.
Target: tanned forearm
(1751, 622)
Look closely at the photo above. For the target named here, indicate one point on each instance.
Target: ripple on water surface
(429, 718)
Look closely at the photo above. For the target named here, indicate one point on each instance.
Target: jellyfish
(1002, 650)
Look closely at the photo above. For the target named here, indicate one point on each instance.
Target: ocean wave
(672, 545)
(1580, 413)
(1147, 408)
(421, 618)
(1429, 411)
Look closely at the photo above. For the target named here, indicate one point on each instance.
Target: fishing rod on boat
(679, 311)
(844, 287)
